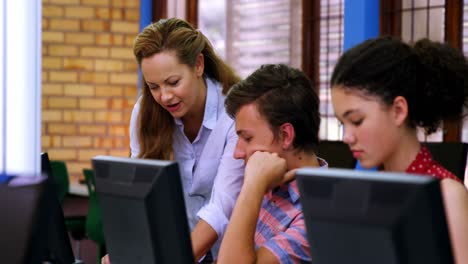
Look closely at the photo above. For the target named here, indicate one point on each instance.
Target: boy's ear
(400, 110)
(287, 135)
(200, 65)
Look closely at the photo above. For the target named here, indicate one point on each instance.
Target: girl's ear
(287, 135)
(200, 65)
(400, 110)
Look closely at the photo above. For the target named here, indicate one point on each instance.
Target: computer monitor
(373, 217)
(143, 210)
(46, 168)
(32, 227)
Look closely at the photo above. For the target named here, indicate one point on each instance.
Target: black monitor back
(46, 168)
(143, 210)
(373, 217)
(33, 227)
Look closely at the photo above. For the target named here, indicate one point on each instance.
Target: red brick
(124, 78)
(93, 130)
(109, 39)
(81, 116)
(63, 76)
(79, 38)
(63, 50)
(132, 15)
(79, 12)
(77, 141)
(131, 66)
(51, 141)
(109, 90)
(51, 115)
(103, 13)
(92, 77)
(131, 91)
(61, 129)
(64, 24)
(109, 65)
(49, 36)
(78, 64)
(95, 25)
(52, 63)
(64, 2)
(52, 11)
(119, 153)
(52, 89)
(62, 102)
(78, 90)
(86, 155)
(103, 142)
(96, 2)
(117, 14)
(92, 103)
(118, 130)
(108, 116)
(124, 27)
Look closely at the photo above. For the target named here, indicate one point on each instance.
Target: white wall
(20, 79)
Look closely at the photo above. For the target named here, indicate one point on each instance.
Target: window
(256, 32)
(465, 50)
(431, 13)
(423, 19)
(250, 33)
(438, 20)
(331, 48)
(212, 22)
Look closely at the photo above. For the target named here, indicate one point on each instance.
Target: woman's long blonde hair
(155, 125)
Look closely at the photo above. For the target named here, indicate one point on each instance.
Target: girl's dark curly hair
(432, 76)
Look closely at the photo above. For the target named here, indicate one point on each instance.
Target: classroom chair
(94, 229)
(75, 223)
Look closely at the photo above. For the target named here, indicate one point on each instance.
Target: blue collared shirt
(211, 177)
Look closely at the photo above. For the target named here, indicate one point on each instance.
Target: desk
(79, 189)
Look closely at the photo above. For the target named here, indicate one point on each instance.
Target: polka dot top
(424, 164)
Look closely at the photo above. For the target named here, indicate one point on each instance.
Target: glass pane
(421, 3)
(434, 137)
(406, 4)
(420, 25)
(437, 2)
(212, 22)
(436, 24)
(406, 27)
(176, 8)
(330, 129)
(465, 50)
(423, 19)
(331, 47)
(259, 32)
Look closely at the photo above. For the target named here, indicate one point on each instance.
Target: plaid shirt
(281, 226)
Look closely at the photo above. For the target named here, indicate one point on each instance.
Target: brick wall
(89, 78)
